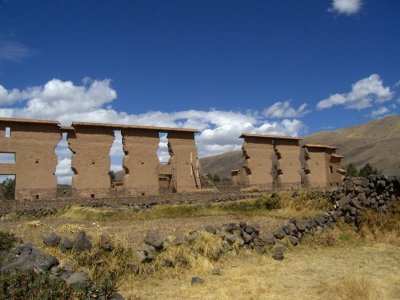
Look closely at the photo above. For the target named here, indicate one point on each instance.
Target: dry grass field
(336, 264)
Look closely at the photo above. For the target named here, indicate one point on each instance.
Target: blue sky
(224, 67)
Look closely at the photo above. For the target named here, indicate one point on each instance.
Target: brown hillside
(376, 142)
(222, 164)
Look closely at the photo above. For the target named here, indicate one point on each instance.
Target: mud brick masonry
(271, 162)
(32, 143)
(276, 162)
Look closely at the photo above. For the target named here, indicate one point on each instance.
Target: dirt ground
(368, 272)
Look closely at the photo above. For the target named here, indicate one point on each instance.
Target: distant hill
(222, 164)
(376, 142)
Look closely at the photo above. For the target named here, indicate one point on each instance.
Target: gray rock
(153, 238)
(106, 243)
(293, 240)
(192, 236)
(278, 253)
(82, 242)
(66, 244)
(51, 240)
(28, 258)
(301, 226)
(246, 238)
(279, 233)
(211, 229)
(179, 239)
(269, 238)
(259, 249)
(77, 278)
(239, 241)
(197, 280)
(216, 271)
(292, 229)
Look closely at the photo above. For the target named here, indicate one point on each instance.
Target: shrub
(7, 241)
(31, 285)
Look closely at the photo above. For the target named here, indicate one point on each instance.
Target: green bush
(32, 285)
(7, 241)
(268, 202)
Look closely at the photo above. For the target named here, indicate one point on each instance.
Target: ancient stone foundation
(32, 143)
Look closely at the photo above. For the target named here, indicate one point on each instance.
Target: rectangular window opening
(37, 197)
(91, 195)
(7, 158)
(331, 169)
(7, 132)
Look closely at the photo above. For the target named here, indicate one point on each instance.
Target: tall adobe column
(184, 160)
(258, 151)
(288, 164)
(32, 144)
(90, 144)
(140, 161)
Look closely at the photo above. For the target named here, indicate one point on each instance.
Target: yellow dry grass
(370, 272)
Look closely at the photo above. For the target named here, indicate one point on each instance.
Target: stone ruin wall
(33, 144)
(280, 163)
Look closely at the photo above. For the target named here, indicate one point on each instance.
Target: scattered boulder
(77, 278)
(106, 243)
(51, 240)
(279, 233)
(66, 244)
(278, 253)
(197, 280)
(28, 258)
(82, 242)
(216, 271)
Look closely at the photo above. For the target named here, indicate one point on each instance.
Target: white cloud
(348, 7)
(379, 112)
(363, 94)
(283, 109)
(91, 101)
(15, 52)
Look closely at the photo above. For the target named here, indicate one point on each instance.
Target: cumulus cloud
(15, 52)
(379, 112)
(363, 94)
(348, 7)
(283, 109)
(91, 101)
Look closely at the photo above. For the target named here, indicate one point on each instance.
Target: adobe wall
(323, 165)
(288, 164)
(259, 156)
(90, 160)
(140, 161)
(317, 166)
(184, 161)
(33, 143)
(335, 176)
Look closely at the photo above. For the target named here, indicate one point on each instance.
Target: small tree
(368, 170)
(216, 178)
(8, 188)
(352, 170)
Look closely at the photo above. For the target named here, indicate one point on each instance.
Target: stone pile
(357, 194)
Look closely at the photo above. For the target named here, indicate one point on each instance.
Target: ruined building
(270, 162)
(322, 165)
(273, 162)
(31, 144)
